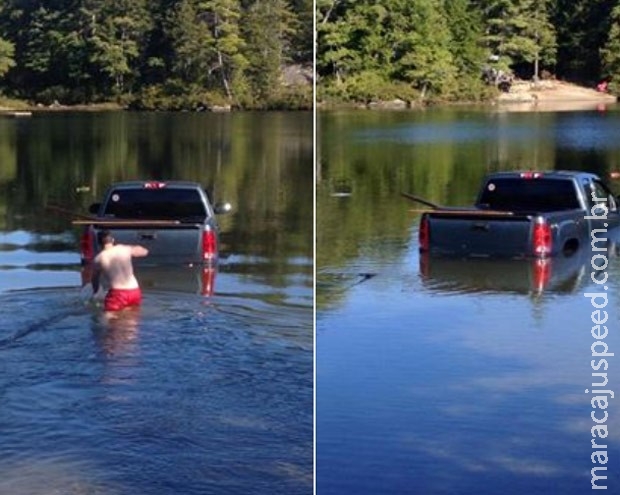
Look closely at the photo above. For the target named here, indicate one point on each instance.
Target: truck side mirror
(94, 208)
(220, 208)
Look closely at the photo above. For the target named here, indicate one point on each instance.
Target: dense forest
(439, 49)
(158, 54)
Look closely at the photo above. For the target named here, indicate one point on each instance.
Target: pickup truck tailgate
(177, 243)
(484, 235)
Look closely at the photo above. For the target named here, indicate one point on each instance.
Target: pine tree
(302, 42)
(610, 53)
(333, 37)
(116, 36)
(422, 47)
(39, 36)
(268, 30)
(192, 43)
(222, 17)
(466, 28)
(520, 31)
(583, 28)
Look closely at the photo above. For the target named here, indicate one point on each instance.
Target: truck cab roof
(179, 200)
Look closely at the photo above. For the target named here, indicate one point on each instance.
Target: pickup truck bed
(473, 234)
(174, 220)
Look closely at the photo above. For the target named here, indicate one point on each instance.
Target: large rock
(396, 104)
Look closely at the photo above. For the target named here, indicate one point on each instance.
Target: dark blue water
(188, 396)
(426, 390)
(208, 388)
(193, 394)
(454, 377)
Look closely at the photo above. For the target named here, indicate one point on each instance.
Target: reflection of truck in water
(188, 279)
(520, 215)
(561, 274)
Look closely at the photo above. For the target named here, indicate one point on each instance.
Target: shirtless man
(114, 261)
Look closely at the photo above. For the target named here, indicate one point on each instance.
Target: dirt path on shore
(553, 96)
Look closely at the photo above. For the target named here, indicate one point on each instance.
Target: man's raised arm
(139, 251)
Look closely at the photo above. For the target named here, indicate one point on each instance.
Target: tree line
(438, 49)
(157, 54)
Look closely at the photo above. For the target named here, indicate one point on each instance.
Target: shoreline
(18, 110)
(524, 96)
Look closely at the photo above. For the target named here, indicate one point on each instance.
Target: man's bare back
(114, 263)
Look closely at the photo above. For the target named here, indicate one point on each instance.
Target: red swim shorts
(117, 299)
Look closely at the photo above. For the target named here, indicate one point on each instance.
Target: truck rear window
(517, 194)
(156, 204)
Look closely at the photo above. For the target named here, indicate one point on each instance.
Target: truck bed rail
(129, 222)
(469, 212)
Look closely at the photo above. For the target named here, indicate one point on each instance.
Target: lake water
(209, 388)
(453, 377)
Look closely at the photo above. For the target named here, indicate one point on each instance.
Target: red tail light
(542, 274)
(209, 245)
(542, 238)
(424, 233)
(87, 244)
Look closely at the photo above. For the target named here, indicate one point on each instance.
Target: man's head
(105, 237)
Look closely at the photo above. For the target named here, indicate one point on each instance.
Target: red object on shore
(602, 87)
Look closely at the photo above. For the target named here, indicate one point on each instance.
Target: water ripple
(220, 387)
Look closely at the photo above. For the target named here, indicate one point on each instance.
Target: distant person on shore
(114, 262)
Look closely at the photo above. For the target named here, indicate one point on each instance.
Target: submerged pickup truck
(174, 220)
(523, 215)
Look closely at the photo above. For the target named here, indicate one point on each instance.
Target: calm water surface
(453, 377)
(208, 389)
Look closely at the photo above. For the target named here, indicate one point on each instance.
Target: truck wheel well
(570, 247)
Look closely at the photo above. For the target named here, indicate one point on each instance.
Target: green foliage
(175, 95)
(302, 41)
(298, 96)
(440, 47)
(520, 31)
(94, 50)
(367, 87)
(466, 29)
(268, 29)
(116, 32)
(191, 41)
(229, 61)
(7, 60)
(404, 42)
(610, 53)
(583, 28)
